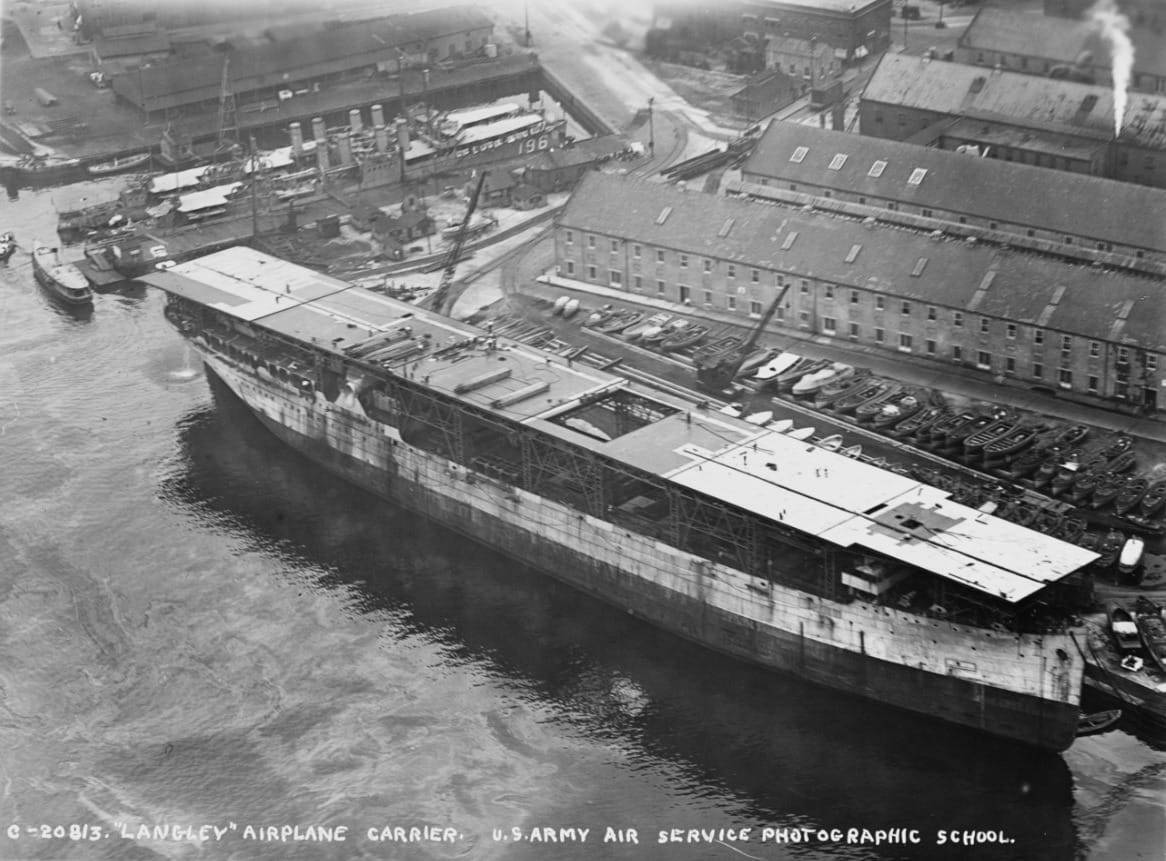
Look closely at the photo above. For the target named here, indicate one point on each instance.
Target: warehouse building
(1009, 202)
(299, 57)
(1058, 48)
(1020, 318)
(1047, 122)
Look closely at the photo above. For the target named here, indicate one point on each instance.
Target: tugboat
(63, 280)
(7, 246)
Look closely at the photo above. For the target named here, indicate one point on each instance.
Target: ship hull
(578, 550)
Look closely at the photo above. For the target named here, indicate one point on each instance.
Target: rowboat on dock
(648, 327)
(786, 380)
(1154, 499)
(832, 392)
(1123, 462)
(781, 425)
(831, 443)
(1152, 630)
(918, 424)
(1010, 443)
(710, 354)
(619, 320)
(865, 393)
(867, 410)
(815, 381)
(1130, 495)
(897, 409)
(955, 439)
(778, 364)
(974, 445)
(684, 337)
(753, 361)
(7, 246)
(939, 432)
(1122, 628)
(1109, 547)
(802, 433)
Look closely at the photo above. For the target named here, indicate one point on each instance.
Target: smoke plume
(1115, 30)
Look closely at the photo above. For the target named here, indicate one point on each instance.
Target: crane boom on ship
(438, 298)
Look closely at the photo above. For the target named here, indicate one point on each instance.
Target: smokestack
(354, 122)
(318, 130)
(297, 139)
(403, 137)
(345, 149)
(1115, 30)
(378, 115)
(381, 137)
(322, 156)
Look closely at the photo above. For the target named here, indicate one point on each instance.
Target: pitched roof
(1022, 287)
(1009, 97)
(1061, 40)
(128, 46)
(1070, 203)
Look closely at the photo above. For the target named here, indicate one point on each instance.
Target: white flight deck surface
(855, 504)
(822, 493)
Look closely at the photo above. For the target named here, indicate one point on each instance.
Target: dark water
(198, 627)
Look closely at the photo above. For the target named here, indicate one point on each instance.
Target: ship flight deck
(837, 499)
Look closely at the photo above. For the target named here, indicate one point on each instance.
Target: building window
(708, 298)
(985, 326)
(1123, 355)
(732, 271)
(931, 345)
(591, 272)
(854, 331)
(853, 297)
(1009, 365)
(805, 286)
(1151, 361)
(1093, 385)
(1038, 336)
(957, 319)
(926, 213)
(659, 256)
(754, 308)
(1010, 331)
(1066, 343)
(880, 335)
(1065, 378)
(904, 342)
(1038, 370)
(570, 237)
(636, 251)
(992, 225)
(660, 287)
(638, 281)
(590, 241)
(880, 302)
(755, 276)
(829, 325)
(1094, 349)
(614, 246)
(931, 314)
(683, 261)
(984, 360)
(906, 308)
(829, 291)
(957, 353)
(615, 278)
(804, 319)
(570, 267)
(1030, 233)
(1068, 240)
(732, 302)
(708, 265)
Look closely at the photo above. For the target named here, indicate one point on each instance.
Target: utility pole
(651, 129)
(254, 189)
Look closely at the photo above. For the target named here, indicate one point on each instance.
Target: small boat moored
(7, 246)
(63, 280)
(1152, 630)
(117, 165)
(1091, 724)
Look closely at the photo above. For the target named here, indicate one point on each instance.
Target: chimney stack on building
(318, 131)
(378, 115)
(297, 139)
(354, 121)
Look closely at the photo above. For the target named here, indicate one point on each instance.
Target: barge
(741, 538)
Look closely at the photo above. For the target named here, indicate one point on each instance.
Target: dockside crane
(438, 298)
(720, 371)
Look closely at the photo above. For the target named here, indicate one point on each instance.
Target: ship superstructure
(744, 539)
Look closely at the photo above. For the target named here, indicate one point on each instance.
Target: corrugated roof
(127, 46)
(1069, 203)
(627, 208)
(1039, 103)
(197, 78)
(1059, 40)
